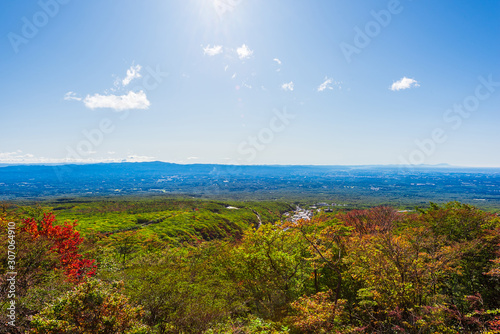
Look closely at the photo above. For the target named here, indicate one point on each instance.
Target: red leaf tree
(65, 242)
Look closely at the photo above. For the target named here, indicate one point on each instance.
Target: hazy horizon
(441, 165)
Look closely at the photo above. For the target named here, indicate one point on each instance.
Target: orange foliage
(378, 219)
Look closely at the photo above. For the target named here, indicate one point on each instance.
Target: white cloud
(277, 60)
(287, 86)
(193, 158)
(132, 100)
(15, 157)
(71, 96)
(212, 51)
(138, 158)
(404, 83)
(132, 73)
(325, 85)
(18, 157)
(329, 84)
(244, 52)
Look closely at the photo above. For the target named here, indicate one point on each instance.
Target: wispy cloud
(288, 86)
(131, 100)
(404, 83)
(132, 73)
(325, 85)
(69, 96)
(212, 50)
(244, 52)
(329, 84)
(277, 60)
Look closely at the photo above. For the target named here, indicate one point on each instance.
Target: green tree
(185, 290)
(472, 233)
(325, 238)
(270, 267)
(92, 307)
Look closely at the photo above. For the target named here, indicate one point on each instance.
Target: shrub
(92, 307)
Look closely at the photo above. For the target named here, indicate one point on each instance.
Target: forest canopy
(254, 270)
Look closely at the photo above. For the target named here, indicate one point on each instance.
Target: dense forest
(205, 266)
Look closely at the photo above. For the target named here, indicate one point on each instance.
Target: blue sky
(333, 82)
